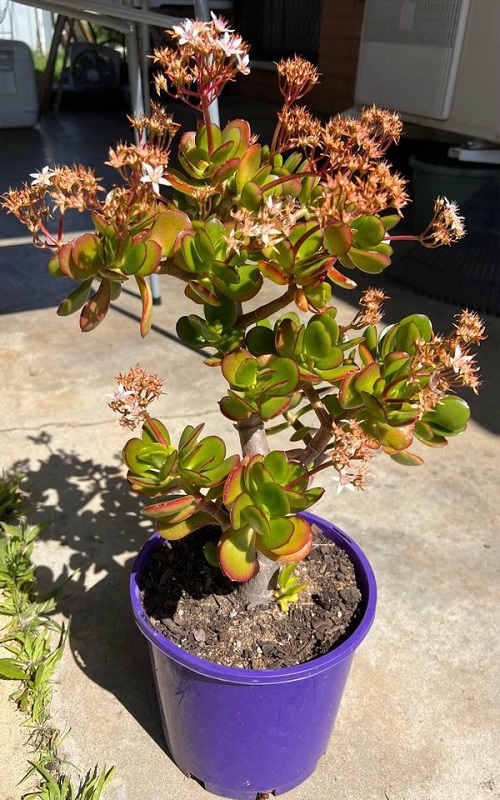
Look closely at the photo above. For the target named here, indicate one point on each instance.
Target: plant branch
(267, 309)
(220, 516)
(284, 178)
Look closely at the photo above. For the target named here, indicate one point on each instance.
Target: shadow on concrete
(92, 512)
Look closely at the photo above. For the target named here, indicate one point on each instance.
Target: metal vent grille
(410, 53)
(428, 22)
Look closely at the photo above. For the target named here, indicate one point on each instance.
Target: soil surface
(200, 610)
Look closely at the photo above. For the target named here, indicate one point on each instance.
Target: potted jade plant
(252, 606)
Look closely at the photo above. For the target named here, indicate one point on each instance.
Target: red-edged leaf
(272, 273)
(338, 239)
(296, 548)
(348, 396)
(81, 258)
(340, 280)
(147, 305)
(225, 171)
(369, 260)
(96, 308)
(234, 485)
(404, 457)
(201, 294)
(237, 554)
(181, 529)
(365, 354)
(152, 260)
(248, 166)
(173, 507)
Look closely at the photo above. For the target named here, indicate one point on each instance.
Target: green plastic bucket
(438, 176)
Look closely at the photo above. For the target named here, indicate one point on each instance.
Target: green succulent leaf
(237, 554)
(178, 530)
(449, 417)
(411, 328)
(260, 340)
(369, 260)
(338, 239)
(319, 296)
(249, 166)
(236, 408)
(348, 396)
(201, 138)
(272, 406)
(366, 378)
(368, 232)
(154, 431)
(74, 301)
(425, 434)
(272, 499)
(281, 530)
(210, 553)
(188, 335)
(209, 452)
(296, 548)
(255, 518)
(277, 464)
(167, 227)
(251, 196)
(246, 373)
(239, 285)
(172, 507)
(82, 258)
(95, 309)
(273, 273)
(389, 221)
(232, 362)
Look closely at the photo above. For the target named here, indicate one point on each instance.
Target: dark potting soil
(200, 610)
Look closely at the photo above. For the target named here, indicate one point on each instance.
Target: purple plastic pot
(239, 731)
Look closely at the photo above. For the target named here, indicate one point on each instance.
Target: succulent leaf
(178, 530)
(96, 308)
(449, 417)
(237, 554)
(74, 301)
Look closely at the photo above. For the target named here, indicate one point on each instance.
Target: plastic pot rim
(237, 675)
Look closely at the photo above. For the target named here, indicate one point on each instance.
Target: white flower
(42, 177)
(154, 176)
(220, 24)
(345, 481)
(119, 394)
(459, 361)
(188, 30)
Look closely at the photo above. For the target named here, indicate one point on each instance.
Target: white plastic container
(18, 89)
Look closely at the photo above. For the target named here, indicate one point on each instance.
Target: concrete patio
(421, 714)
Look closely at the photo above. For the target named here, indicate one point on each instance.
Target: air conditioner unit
(18, 90)
(92, 67)
(437, 62)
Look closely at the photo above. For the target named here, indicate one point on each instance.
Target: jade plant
(285, 225)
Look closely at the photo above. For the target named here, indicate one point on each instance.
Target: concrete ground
(421, 713)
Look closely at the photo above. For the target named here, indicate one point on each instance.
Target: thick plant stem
(252, 435)
(258, 590)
